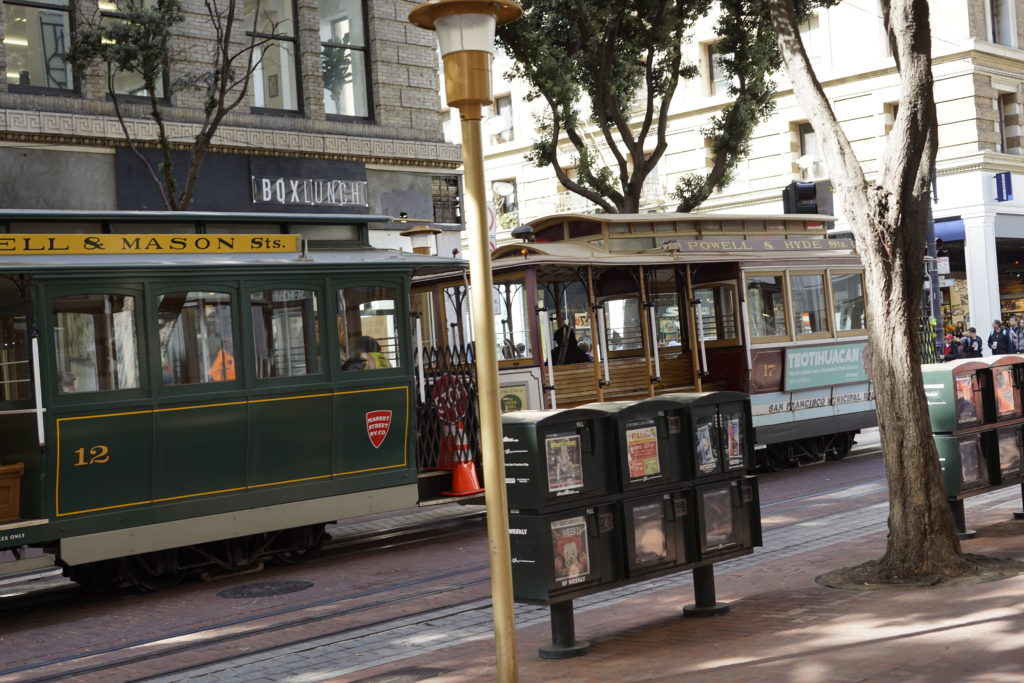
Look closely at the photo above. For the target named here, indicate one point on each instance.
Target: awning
(949, 229)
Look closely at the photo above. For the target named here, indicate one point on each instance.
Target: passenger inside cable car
(567, 350)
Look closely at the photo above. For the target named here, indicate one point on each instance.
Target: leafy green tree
(141, 42)
(613, 66)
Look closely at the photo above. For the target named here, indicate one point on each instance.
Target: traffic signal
(800, 197)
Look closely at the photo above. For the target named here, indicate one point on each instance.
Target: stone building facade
(979, 80)
(377, 126)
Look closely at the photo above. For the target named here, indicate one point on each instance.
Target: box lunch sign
(810, 367)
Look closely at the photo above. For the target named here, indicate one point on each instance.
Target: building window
(718, 80)
(127, 82)
(445, 192)
(1000, 16)
(275, 73)
(891, 110)
(35, 40)
(809, 160)
(343, 45)
(500, 123)
(1009, 123)
(505, 197)
(812, 38)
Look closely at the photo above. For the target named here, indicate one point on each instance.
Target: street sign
(1004, 187)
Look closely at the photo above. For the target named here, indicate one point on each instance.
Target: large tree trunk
(888, 220)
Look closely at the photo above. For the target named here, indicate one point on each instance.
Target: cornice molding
(60, 128)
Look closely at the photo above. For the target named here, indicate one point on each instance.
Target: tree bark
(888, 219)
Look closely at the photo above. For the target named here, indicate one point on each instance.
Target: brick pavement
(782, 625)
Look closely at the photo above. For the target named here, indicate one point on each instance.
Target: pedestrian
(950, 350)
(1016, 335)
(999, 339)
(971, 345)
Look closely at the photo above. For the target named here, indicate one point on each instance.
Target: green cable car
(184, 390)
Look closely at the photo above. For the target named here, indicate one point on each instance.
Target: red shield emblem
(378, 423)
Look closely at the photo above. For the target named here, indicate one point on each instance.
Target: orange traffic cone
(464, 480)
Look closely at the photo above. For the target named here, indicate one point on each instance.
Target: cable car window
(848, 302)
(196, 338)
(456, 316)
(96, 345)
(568, 303)
(286, 332)
(717, 311)
(810, 312)
(513, 327)
(579, 229)
(15, 376)
(368, 328)
(423, 303)
(553, 234)
(766, 301)
(623, 324)
(668, 321)
(632, 244)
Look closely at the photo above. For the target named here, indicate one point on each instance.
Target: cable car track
(192, 644)
(29, 597)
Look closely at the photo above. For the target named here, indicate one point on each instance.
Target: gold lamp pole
(465, 32)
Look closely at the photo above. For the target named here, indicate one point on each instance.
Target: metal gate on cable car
(627, 306)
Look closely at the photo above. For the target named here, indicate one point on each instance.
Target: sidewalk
(782, 626)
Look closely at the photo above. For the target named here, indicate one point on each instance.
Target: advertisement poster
(734, 433)
(822, 366)
(642, 451)
(581, 321)
(970, 464)
(512, 397)
(565, 462)
(707, 459)
(1009, 454)
(649, 544)
(569, 542)
(718, 525)
(965, 408)
(1005, 404)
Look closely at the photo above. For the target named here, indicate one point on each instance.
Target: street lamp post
(465, 32)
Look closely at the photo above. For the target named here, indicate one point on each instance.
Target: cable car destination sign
(758, 244)
(148, 244)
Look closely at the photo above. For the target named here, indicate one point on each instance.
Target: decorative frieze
(67, 128)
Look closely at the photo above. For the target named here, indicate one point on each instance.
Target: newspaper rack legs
(563, 635)
(959, 521)
(706, 604)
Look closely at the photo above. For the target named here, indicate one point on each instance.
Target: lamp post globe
(465, 32)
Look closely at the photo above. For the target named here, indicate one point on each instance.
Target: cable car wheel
(153, 571)
(303, 542)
